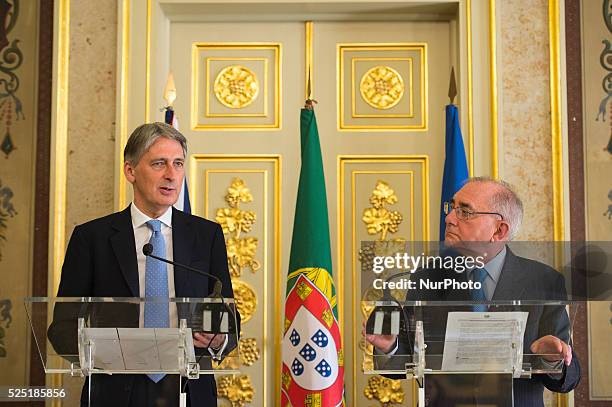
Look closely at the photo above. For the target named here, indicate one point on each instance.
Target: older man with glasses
(487, 213)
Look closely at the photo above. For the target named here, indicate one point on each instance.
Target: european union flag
(455, 163)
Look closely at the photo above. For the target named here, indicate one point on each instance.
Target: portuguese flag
(313, 360)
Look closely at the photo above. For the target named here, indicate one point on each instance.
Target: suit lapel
(511, 285)
(124, 247)
(183, 242)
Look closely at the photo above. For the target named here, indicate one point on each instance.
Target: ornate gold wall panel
(242, 193)
(396, 184)
(382, 87)
(159, 23)
(236, 86)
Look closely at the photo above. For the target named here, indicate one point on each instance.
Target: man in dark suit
(484, 216)
(105, 259)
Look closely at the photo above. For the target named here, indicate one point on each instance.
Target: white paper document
(482, 341)
(140, 349)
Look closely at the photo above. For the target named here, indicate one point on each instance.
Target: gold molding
(309, 26)
(555, 120)
(59, 156)
(557, 136)
(60, 146)
(276, 161)
(208, 87)
(148, 63)
(470, 107)
(416, 46)
(123, 102)
(342, 159)
(410, 88)
(493, 84)
(273, 46)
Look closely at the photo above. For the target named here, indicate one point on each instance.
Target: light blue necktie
(156, 314)
(479, 274)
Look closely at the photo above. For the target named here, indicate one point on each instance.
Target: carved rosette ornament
(236, 86)
(382, 87)
(246, 299)
(237, 389)
(387, 391)
(234, 221)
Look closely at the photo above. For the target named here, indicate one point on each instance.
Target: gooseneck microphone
(147, 250)
(214, 318)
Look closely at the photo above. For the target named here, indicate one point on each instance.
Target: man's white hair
(505, 201)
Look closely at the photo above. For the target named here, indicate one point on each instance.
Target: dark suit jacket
(101, 262)
(520, 279)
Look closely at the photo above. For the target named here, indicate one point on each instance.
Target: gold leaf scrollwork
(378, 219)
(382, 87)
(246, 299)
(237, 389)
(236, 86)
(240, 254)
(234, 220)
(238, 192)
(241, 251)
(387, 391)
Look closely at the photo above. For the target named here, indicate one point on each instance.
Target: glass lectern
(101, 336)
(459, 356)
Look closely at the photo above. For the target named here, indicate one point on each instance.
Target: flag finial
(452, 87)
(170, 90)
(309, 104)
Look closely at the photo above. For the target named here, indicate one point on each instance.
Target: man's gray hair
(505, 201)
(145, 135)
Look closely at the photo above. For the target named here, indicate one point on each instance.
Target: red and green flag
(313, 359)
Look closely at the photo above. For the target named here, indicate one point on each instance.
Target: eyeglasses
(466, 214)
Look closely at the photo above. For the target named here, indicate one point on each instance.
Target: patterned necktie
(156, 314)
(479, 275)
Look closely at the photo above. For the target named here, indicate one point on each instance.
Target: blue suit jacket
(520, 279)
(101, 262)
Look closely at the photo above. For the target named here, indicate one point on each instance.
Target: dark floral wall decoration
(7, 210)
(605, 60)
(5, 323)
(11, 58)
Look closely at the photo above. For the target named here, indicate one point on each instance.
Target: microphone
(206, 317)
(147, 250)
(389, 319)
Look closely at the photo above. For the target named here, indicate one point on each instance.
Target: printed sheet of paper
(482, 341)
(142, 349)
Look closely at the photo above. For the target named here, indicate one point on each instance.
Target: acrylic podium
(461, 357)
(100, 336)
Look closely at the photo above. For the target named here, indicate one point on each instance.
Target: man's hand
(205, 340)
(384, 343)
(552, 349)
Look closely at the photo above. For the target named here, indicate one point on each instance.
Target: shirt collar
(139, 218)
(495, 265)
